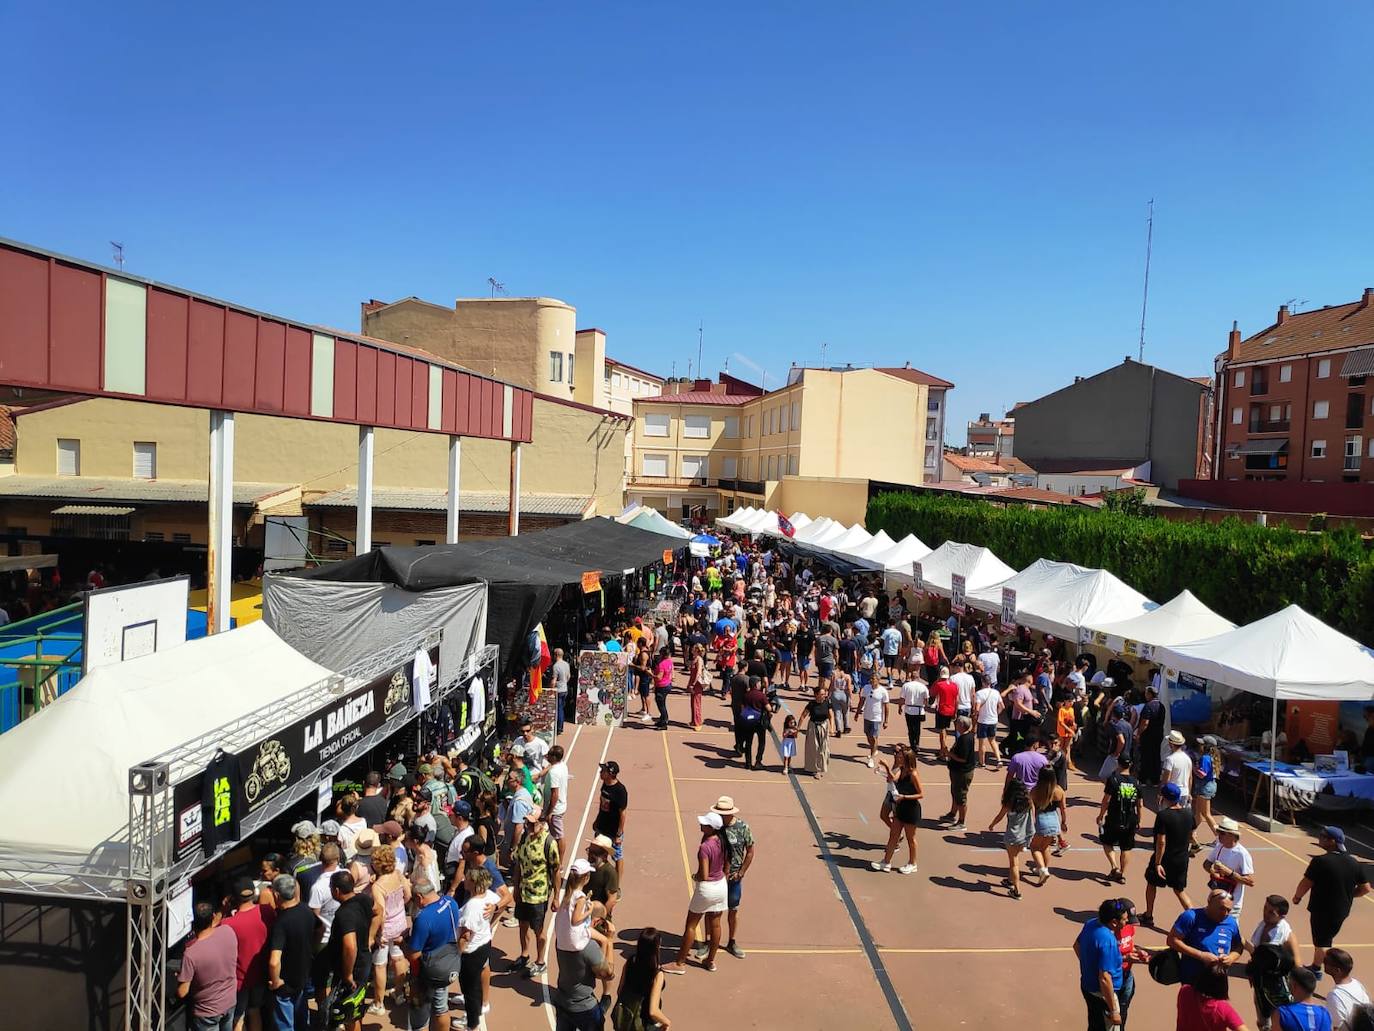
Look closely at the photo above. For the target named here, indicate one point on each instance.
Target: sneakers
(537, 969)
(908, 868)
(700, 950)
(870, 763)
(377, 1010)
(509, 921)
(520, 963)
(880, 866)
(735, 950)
(958, 825)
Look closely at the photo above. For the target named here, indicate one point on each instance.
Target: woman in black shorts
(904, 785)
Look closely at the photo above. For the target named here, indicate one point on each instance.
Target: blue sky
(961, 186)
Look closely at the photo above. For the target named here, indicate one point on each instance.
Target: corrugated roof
(94, 488)
(1326, 329)
(94, 510)
(697, 397)
(1263, 446)
(435, 500)
(7, 427)
(1359, 363)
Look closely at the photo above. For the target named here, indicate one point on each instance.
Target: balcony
(741, 486)
(1352, 463)
(1269, 425)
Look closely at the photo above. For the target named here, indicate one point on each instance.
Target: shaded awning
(93, 510)
(1359, 363)
(1264, 446)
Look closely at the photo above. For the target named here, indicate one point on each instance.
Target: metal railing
(37, 665)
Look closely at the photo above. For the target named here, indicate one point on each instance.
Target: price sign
(918, 580)
(956, 594)
(1008, 608)
(667, 556)
(591, 582)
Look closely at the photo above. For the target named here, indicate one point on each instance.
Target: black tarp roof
(525, 573)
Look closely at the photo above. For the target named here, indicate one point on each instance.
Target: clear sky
(958, 185)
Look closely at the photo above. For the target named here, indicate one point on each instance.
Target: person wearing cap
(1149, 736)
(576, 918)
(612, 811)
(1169, 864)
(1118, 818)
(251, 922)
(535, 871)
(1335, 880)
(1205, 773)
(329, 831)
(1302, 1014)
(1228, 863)
(389, 832)
(739, 851)
(290, 949)
(1178, 767)
(604, 885)
(424, 814)
(304, 861)
(1206, 936)
(709, 899)
(453, 855)
(1131, 954)
(1099, 965)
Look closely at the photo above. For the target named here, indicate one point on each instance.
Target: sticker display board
(133, 620)
(601, 681)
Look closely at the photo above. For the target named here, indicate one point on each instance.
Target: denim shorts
(733, 891)
(1208, 790)
(873, 728)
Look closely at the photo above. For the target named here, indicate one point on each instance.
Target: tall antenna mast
(1145, 300)
(701, 332)
(118, 254)
(495, 286)
(824, 345)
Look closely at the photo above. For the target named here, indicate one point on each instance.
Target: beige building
(716, 446)
(128, 470)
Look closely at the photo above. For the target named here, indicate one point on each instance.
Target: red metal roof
(917, 376)
(696, 397)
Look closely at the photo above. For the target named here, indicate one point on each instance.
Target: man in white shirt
(532, 747)
(963, 680)
(1228, 863)
(453, 858)
(988, 705)
(1178, 767)
(555, 793)
(992, 662)
(1346, 993)
(713, 609)
(560, 673)
(915, 698)
(322, 901)
(873, 705)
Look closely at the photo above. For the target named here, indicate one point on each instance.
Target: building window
(1285, 373)
(731, 427)
(748, 425)
(1324, 368)
(606, 374)
(68, 457)
(933, 404)
(1259, 382)
(1354, 411)
(696, 426)
(154, 536)
(1318, 449)
(655, 465)
(571, 356)
(768, 422)
(1320, 409)
(555, 366)
(729, 467)
(145, 460)
(1353, 447)
(693, 467)
(796, 415)
(1239, 379)
(616, 381)
(655, 424)
(772, 467)
(784, 411)
(1237, 416)
(930, 457)
(181, 538)
(932, 429)
(792, 465)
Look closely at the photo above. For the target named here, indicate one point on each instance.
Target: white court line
(581, 829)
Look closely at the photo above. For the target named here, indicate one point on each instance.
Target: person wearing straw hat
(739, 855)
(1178, 767)
(1228, 863)
(710, 897)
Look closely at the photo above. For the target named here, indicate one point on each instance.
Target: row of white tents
(1289, 655)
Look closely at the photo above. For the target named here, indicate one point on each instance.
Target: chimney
(906, 365)
(1282, 316)
(370, 306)
(1368, 297)
(1233, 342)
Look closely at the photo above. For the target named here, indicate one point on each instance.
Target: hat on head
(1335, 834)
(725, 805)
(365, 841)
(612, 767)
(712, 820)
(462, 808)
(1226, 825)
(397, 772)
(305, 829)
(602, 842)
(329, 829)
(391, 829)
(424, 795)
(1176, 738)
(533, 816)
(580, 867)
(426, 769)
(1209, 740)
(1172, 792)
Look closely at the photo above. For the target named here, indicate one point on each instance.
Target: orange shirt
(1067, 723)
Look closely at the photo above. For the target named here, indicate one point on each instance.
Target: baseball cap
(391, 829)
(424, 794)
(712, 820)
(462, 808)
(426, 768)
(305, 829)
(612, 767)
(580, 867)
(1172, 792)
(1335, 834)
(397, 772)
(243, 889)
(329, 829)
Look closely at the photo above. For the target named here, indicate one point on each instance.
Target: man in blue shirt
(1099, 964)
(436, 925)
(1302, 1014)
(1207, 935)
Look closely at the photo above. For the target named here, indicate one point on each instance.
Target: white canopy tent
(1289, 655)
(979, 567)
(733, 520)
(898, 557)
(816, 542)
(763, 522)
(1060, 598)
(799, 522)
(124, 714)
(649, 519)
(812, 530)
(845, 542)
(875, 545)
(1183, 618)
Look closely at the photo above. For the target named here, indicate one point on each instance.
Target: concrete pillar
(363, 538)
(455, 462)
(514, 525)
(220, 554)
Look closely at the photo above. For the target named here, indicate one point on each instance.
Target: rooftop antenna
(1294, 303)
(118, 254)
(701, 332)
(496, 288)
(1145, 300)
(824, 345)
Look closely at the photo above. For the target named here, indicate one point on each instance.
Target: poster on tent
(957, 585)
(601, 687)
(1008, 609)
(918, 580)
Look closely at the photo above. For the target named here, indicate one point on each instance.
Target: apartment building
(715, 446)
(991, 438)
(1295, 404)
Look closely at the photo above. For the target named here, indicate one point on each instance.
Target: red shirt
(823, 607)
(1196, 1012)
(1125, 940)
(251, 928)
(946, 695)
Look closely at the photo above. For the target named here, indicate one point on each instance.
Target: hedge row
(1241, 570)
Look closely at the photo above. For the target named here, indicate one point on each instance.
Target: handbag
(441, 966)
(1164, 968)
(749, 714)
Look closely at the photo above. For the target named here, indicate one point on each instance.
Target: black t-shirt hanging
(220, 800)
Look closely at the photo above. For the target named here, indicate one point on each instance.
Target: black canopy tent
(524, 574)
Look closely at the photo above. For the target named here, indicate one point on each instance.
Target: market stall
(1290, 655)
(897, 557)
(1059, 598)
(651, 520)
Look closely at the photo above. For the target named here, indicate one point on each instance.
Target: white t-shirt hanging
(477, 701)
(421, 680)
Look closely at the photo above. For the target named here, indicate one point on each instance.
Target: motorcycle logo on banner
(1008, 608)
(271, 765)
(956, 594)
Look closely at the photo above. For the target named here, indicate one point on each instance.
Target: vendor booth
(649, 519)
(979, 567)
(1289, 657)
(896, 557)
(1059, 598)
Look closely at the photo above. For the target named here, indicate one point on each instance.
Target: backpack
(1123, 808)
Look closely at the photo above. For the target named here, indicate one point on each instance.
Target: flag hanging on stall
(785, 526)
(542, 663)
